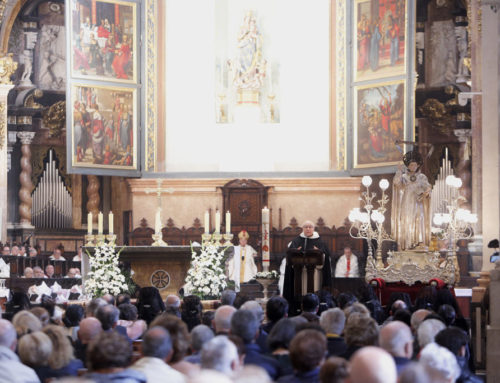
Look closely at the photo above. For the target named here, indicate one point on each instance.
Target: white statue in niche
(461, 35)
(52, 69)
(451, 66)
(28, 67)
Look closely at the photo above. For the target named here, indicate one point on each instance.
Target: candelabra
(362, 220)
(218, 238)
(457, 222)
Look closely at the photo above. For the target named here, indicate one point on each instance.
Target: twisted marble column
(25, 178)
(93, 196)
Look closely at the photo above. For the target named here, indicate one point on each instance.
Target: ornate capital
(7, 68)
(26, 137)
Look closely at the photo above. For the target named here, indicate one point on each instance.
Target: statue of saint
(241, 268)
(411, 221)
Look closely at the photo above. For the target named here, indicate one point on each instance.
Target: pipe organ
(442, 194)
(52, 204)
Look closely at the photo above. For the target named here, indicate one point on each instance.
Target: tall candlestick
(100, 226)
(207, 222)
(158, 221)
(111, 223)
(89, 223)
(217, 221)
(265, 215)
(228, 222)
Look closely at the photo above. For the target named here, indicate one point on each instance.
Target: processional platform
(412, 266)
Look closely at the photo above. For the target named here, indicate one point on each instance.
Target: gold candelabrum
(457, 222)
(92, 240)
(369, 224)
(217, 237)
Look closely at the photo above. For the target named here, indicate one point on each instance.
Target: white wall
(299, 31)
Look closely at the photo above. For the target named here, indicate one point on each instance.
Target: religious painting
(379, 38)
(379, 120)
(103, 127)
(246, 63)
(103, 40)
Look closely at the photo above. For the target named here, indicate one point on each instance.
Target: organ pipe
(52, 206)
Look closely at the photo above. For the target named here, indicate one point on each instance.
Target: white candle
(100, 218)
(207, 222)
(89, 223)
(217, 221)
(265, 215)
(158, 221)
(111, 223)
(228, 222)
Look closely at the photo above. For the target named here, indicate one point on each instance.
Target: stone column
(93, 196)
(25, 180)
(490, 150)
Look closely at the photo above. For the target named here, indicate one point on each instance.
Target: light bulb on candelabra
(383, 184)
(450, 179)
(446, 218)
(457, 182)
(473, 218)
(438, 219)
(366, 181)
(354, 214)
(377, 217)
(462, 214)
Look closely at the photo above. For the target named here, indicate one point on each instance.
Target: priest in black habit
(307, 240)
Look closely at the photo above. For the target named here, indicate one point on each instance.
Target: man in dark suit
(108, 316)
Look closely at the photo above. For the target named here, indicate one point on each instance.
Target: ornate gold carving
(151, 85)
(24, 120)
(55, 119)
(3, 128)
(30, 100)
(93, 196)
(25, 178)
(411, 267)
(341, 83)
(3, 3)
(7, 68)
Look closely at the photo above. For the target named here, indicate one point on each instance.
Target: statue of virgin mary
(411, 221)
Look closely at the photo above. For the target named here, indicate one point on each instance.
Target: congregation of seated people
(347, 338)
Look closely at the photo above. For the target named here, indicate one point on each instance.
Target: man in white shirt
(11, 369)
(157, 352)
(347, 265)
(57, 255)
(242, 266)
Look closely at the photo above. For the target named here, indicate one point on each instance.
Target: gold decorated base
(413, 266)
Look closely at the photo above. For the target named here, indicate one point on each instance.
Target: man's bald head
(396, 339)
(8, 335)
(222, 319)
(90, 328)
(418, 317)
(372, 365)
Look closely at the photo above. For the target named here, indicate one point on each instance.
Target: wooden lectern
(300, 259)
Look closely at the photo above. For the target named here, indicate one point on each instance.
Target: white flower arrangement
(104, 277)
(267, 275)
(206, 277)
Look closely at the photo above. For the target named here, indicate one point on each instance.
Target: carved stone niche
(245, 199)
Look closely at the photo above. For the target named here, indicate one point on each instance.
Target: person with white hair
(309, 239)
(440, 363)
(427, 331)
(372, 365)
(222, 319)
(173, 305)
(200, 335)
(417, 318)
(220, 354)
(256, 308)
(332, 322)
(397, 340)
(11, 369)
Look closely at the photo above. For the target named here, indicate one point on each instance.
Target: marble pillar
(490, 150)
(25, 180)
(4, 90)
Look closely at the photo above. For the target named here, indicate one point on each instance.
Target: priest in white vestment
(241, 267)
(347, 265)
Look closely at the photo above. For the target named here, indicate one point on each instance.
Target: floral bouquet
(267, 275)
(105, 276)
(206, 277)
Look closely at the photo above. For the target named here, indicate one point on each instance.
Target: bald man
(397, 340)
(372, 365)
(222, 319)
(89, 329)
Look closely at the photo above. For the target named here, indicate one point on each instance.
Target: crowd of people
(19, 250)
(347, 338)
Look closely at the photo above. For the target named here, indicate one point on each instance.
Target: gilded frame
(370, 30)
(375, 128)
(86, 50)
(110, 146)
